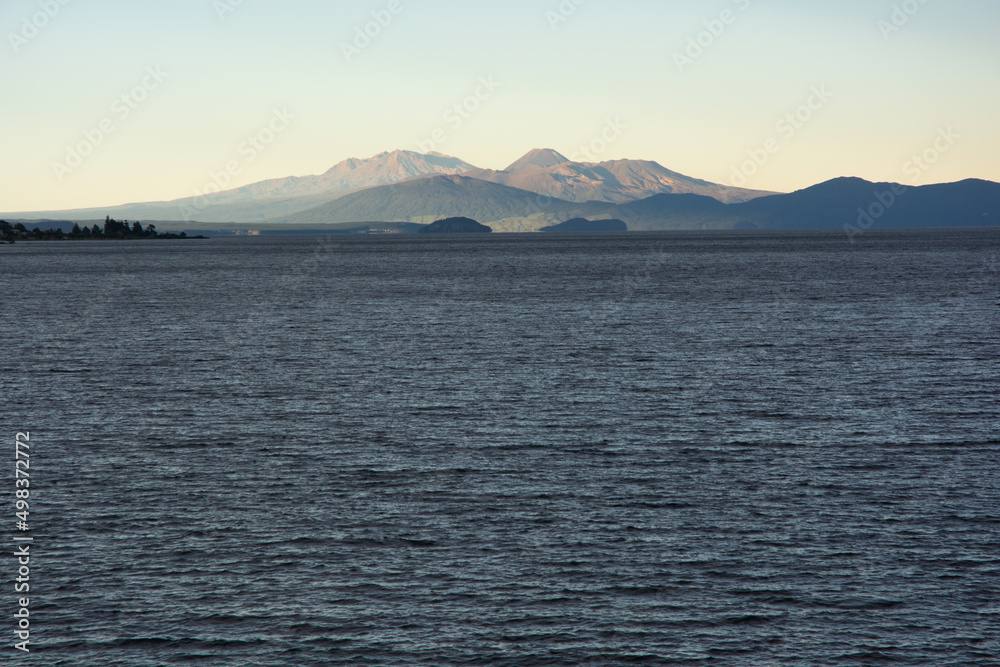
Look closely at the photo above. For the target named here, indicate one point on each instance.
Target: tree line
(113, 229)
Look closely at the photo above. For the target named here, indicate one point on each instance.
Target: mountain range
(548, 172)
(541, 171)
(403, 189)
(843, 202)
(853, 204)
(274, 198)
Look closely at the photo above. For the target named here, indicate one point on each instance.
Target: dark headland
(113, 230)
(455, 226)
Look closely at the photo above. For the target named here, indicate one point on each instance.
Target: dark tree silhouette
(113, 229)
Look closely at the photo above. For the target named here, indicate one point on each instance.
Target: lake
(667, 449)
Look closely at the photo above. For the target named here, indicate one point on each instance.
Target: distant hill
(536, 159)
(662, 212)
(843, 201)
(584, 225)
(546, 171)
(429, 199)
(279, 197)
(352, 175)
(828, 205)
(455, 226)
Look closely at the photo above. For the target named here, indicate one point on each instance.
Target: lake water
(665, 449)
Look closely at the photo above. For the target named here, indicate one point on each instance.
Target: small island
(112, 230)
(455, 226)
(582, 225)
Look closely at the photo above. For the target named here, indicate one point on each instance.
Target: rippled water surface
(665, 449)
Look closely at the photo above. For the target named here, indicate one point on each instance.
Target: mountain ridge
(841, 202)
(545, 172)
(548, 172)
(429, 199)
(276, 197)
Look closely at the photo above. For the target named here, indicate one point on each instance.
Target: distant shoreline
(196, 230)
(113, 230)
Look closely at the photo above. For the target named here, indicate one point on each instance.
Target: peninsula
(112, 230)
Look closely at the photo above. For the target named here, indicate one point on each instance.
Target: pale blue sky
(558, 88)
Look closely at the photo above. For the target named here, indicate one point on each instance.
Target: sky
(106, 102)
